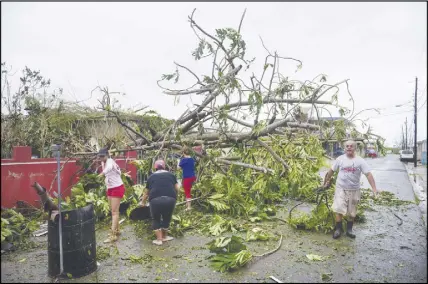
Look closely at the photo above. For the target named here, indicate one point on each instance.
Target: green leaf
(257, 234)
(216, 196)
(314, 257)
(326, 276)
(168, 76)
(218, 205)
(199, 51)
(255, 219)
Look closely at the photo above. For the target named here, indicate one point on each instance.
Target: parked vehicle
(338, 152)
(406, 155)
(371, 153)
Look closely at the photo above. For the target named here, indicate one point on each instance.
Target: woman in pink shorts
(115, 191)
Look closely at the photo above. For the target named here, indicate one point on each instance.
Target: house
(80, 129)
(332, 145)
(421, 151)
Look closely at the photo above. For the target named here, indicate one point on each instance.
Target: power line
(408, 103)
(395, 105)
(382, 115)
(420, 96)
(424, 89)
(422, 105)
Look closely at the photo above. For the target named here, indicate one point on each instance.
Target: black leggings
(161, 209)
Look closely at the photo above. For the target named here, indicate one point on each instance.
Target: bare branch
(275, 155)
(208, 99)
(240, 121)
(291, 58)
(190, 71)
(170, 90)
(270, 100)
(325, 91)
(140, 109)
(182, 93)
(145, 139)
(304, 125)
(249, 166)
(242, 19)
(265, 46)
(273, 74)
(219, 43)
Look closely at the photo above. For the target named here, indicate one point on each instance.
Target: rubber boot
(349, 233)
(338, 230)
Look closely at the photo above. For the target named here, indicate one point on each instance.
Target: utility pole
(56, 148)
(416, 125)
(402, 138)
(406, 146)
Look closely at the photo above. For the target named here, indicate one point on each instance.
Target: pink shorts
(117, 191)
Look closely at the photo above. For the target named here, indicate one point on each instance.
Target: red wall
(20, 172)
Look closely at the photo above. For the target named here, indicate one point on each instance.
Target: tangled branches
(236, 110)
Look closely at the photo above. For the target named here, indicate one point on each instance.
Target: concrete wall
(20, 172)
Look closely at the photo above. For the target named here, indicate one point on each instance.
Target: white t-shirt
(112, 173)
(350, 170)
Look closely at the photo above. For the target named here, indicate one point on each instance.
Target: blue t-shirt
(188, 166)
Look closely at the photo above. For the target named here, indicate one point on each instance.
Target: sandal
(168, 238)
(112, 237)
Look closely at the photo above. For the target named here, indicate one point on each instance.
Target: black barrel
(140, 213)
(78, 243)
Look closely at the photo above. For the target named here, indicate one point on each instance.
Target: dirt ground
(382, 252)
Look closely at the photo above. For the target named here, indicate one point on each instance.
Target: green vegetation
(15, 228)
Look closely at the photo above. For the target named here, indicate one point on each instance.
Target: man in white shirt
(348, 194)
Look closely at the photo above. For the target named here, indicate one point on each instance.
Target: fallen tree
(260, 146)
(236, 109)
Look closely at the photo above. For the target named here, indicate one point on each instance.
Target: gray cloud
(381, 47)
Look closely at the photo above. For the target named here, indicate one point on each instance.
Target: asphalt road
(382, 252)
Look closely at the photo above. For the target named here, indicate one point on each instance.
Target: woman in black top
(162, 188)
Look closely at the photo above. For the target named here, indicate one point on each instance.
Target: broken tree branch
(274, 155)
(249, 166)
(119, 120)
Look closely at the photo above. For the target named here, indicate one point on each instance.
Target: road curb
(418, 192)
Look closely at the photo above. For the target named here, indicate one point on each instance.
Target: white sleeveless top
(112, 173)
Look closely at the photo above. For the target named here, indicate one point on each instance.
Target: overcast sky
(380, 47)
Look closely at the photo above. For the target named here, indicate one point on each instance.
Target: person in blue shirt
(187, 164)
